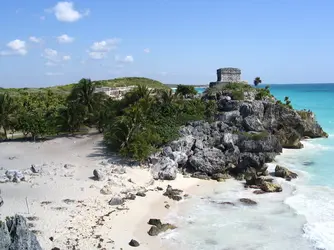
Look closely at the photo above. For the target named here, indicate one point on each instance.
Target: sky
(47, 43)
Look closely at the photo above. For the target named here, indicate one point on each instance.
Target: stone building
(227, 75)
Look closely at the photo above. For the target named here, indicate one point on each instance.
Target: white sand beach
(65, 205)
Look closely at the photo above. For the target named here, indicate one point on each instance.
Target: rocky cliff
(15, 235)
(245, 135)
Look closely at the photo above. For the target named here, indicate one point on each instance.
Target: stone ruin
(227, 75)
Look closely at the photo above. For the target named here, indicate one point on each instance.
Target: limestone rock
(270, 187)
(134, 243)
(174, 194)
(284, 173)
(247, 201)
(98, 175)
(165, 169)
(14, 235)
(116, 201)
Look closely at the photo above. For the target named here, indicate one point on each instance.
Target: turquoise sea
(301, 217)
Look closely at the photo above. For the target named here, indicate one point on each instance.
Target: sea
(300, 217)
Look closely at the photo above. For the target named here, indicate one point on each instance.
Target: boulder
(116, 200)
(98, 175)
(174, 194)
(270, 187)
(158, 227)
(14, 175)
(134, 243)
(165, 169)
(14, 235)
(284, 173)
(247, 201)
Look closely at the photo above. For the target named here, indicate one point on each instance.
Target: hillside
(117, 82)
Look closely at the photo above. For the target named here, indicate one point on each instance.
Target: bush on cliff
(143, 122)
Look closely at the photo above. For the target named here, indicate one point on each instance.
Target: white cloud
(106, 45)
(35, 39)
(66, 58)
(16, 47)
(65, 12)
(147, 50)
(126, 59)
(65, 39)
(97, 55)
(51, 54)
(54, 73)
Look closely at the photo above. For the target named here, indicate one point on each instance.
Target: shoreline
(87, 205)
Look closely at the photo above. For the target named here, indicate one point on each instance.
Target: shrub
(238, 95)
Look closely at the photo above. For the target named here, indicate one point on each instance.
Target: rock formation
(244, 136)
(14, 235)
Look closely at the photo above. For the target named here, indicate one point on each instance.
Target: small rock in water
(167, 206)
(98, 175)
(134, 243)
(259, 192)
(247, 201)
(270, 187)
(158, 227)
(227, 203)
(68, 166)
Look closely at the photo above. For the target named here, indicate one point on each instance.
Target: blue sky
(46, 42)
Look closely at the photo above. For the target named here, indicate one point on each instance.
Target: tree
(83, 93)
(257, 81)
(7, 110)
(186, 90)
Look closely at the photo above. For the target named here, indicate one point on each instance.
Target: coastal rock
(116, 200)
(165, 169)
(1, 201)
(130, 197)
(270, 187)
(158, 227)
(98, 175)
(134, 243)
(245, 134)
(284, 173)
(106, 190)
(14, 175)
(247, 201)
(174, 194)
(14, 234)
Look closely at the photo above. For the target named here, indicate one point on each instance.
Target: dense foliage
(135, 126)
(143, 121)
(186, 90)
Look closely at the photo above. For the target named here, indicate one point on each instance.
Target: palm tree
(166, 96)
(257, 81)
(7, 109)
(83, 93)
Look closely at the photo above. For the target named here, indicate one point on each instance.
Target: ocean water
(301, 217)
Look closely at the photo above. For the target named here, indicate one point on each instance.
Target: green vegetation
(257, 81)
(286, 104)
(141, 122)
(186, 90)
(263, 93)
(134, 126)
(117, 82)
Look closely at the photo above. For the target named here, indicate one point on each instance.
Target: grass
(117, 82)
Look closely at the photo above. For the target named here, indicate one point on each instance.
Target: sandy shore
(67, 208)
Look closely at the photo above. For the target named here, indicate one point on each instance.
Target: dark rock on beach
(174, 194)
(284, 173)
(134, 243)
(158, 227)
(247, 201)
(14, 235)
